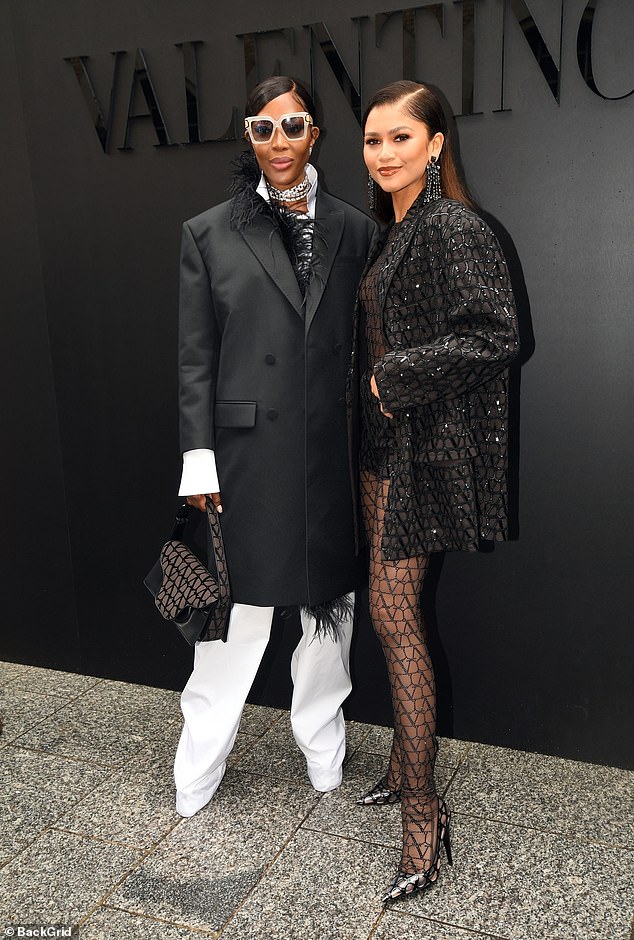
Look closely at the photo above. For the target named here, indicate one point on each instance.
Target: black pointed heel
(405, 885)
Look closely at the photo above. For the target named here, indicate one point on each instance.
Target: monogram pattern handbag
(185, 591)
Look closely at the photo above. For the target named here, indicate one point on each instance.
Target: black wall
(533, 642)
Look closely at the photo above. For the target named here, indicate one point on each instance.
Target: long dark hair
(423, 105)
(272, 88)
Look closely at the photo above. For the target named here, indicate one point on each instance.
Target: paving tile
(521, 884)
(114, 790)
(59, 878)
(320, 888)
(356, 736)
(256, 719)
(22, 710)
(140, 699)
(135, 808)
(396, 925)
(107, 922)
(204, 869)
(50, 681)
(379, 739)
(337, 812)
(108, 724)
(8, 671)
(277, 752)
(242, 747)
(37, 790)
(356, 733)
(585, 801)
(157, 754)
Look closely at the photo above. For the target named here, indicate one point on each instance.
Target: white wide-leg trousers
(214, 697)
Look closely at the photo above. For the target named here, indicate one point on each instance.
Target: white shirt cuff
(199, 473)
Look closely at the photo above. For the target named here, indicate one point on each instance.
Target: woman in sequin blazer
(450, 332)
(436, 330)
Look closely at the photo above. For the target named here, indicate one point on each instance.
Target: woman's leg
(369, 492)
(395, 588)
(392, 778)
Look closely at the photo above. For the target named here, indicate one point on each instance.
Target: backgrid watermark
(39, 930)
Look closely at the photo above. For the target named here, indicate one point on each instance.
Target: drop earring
(371, 192)
(433, 189)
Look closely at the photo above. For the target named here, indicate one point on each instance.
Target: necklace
(294, 194)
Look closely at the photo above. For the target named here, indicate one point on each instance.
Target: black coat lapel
(329, 221)
(401, 241)
(265, 241)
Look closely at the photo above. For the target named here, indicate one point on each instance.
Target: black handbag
(185, 591)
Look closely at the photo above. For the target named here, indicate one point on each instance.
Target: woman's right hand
(200, 501)
(375, 391)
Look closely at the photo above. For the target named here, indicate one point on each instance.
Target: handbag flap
(187, 583)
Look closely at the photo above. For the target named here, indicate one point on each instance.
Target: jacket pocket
(235, 414)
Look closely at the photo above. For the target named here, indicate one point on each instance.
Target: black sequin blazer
(450, 326)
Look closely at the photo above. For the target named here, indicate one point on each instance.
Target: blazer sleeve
(198, 348)
(481, 335)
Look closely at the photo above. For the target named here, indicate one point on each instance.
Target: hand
(375, 391)
(200, 501)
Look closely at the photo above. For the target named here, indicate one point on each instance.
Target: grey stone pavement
(89, 838)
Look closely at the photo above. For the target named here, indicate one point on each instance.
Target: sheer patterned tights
(395, 588)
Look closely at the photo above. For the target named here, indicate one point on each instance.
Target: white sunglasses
(262, 127)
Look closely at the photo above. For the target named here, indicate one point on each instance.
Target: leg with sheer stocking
(395, 588)
(393, 776)
(388, 788)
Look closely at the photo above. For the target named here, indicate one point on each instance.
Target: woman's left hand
(375, 391)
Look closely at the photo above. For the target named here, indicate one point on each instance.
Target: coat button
(269, 359)
(272, 414)
(336, 348)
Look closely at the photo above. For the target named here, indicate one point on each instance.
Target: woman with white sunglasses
(268, 282)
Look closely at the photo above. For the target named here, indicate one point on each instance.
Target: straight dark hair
(423, 105)
(272, 88)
